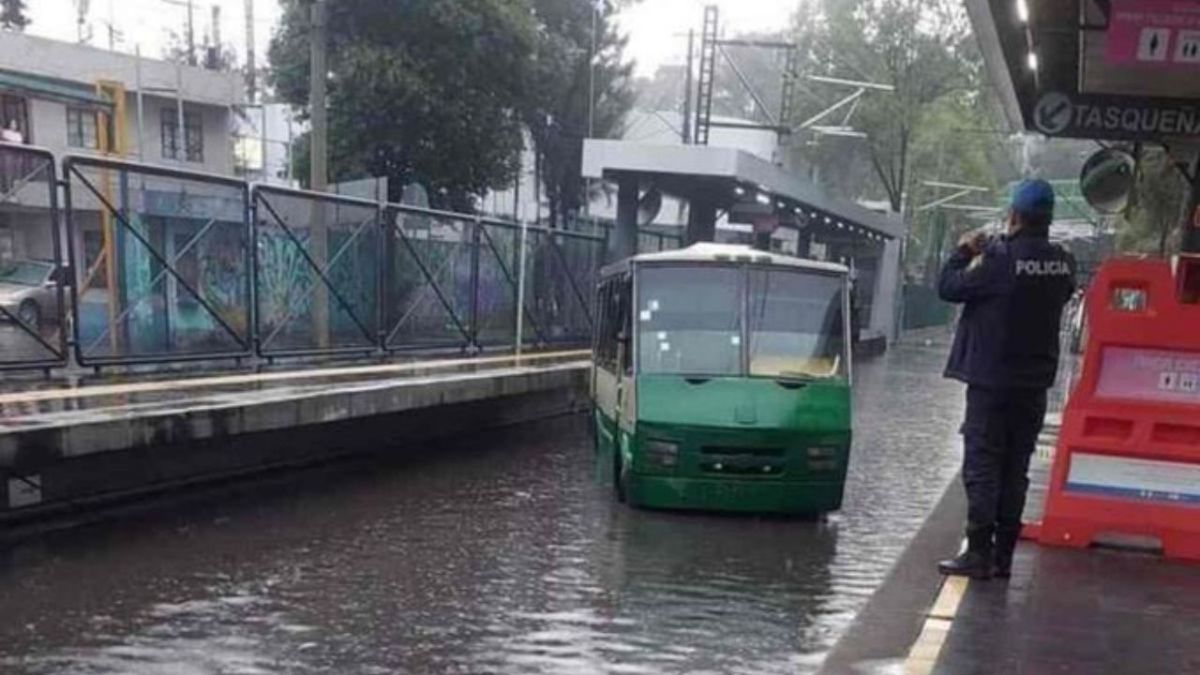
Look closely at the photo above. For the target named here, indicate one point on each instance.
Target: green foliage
(440, 92)
(1158, 203)
(418, 91)
(922, 48)
(12, 15)
(556, 107)
(940, 124)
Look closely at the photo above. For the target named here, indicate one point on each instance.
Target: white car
(28, 291)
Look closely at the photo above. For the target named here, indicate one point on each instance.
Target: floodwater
(493, 554)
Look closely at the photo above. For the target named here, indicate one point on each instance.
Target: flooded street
(495, 554)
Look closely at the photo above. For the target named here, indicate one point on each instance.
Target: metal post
(517, 184)
(702, 221)
(191, 34)
(141, 108)
(318, 171)
(319, 136)
(592, 75)
(587, 182)
(521, 291)
(180, 135)
(263, 141)
(627, 216)
(289, 152)
(216, 29)
(687, 90)
(251, 75)
(473, 318)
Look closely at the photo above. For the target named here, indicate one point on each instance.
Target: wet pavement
(486, 555)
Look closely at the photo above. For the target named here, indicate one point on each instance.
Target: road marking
(923, 656)
(260, 378)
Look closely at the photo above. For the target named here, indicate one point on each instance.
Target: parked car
(29, 291)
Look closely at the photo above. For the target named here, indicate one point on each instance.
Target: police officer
(1013, 289)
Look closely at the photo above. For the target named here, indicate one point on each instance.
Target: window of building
(193, 135)
(81, 129)
(14, 113)
(93, 248)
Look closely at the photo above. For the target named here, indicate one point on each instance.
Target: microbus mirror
(1106, 181)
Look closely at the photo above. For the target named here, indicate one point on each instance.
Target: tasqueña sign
(1058, 114)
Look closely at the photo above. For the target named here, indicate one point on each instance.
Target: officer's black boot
(1006, 544)
(976, 562)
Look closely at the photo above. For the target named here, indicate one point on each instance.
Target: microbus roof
(708, 252)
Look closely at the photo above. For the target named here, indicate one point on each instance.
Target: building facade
(72, 99)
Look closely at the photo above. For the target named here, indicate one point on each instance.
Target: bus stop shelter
(1120, 71)
(727, 183)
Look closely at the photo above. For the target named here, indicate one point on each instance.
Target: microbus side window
(601, 323)
(625, 320)
(606, 344)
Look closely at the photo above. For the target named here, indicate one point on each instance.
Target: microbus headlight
(822, 459)
(661, 453)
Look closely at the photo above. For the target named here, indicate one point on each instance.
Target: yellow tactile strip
(923, 656)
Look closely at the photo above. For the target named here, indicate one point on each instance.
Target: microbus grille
(730, 451)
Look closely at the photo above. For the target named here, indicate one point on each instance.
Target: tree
(924, 49)
(12, 15)
(428, 92)
(1158, 200)
(558, 109)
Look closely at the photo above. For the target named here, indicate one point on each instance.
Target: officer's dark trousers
(999, 435)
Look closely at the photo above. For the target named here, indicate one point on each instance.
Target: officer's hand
(974, 241)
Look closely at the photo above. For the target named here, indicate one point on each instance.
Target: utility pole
(592, 75)
(591, 132)
(687, 90)
(318, 173)
(81, 14)
(191, 32)
(318, 170)
(251, 74)
(216, 35)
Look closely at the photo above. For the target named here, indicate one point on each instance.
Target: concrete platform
(1063, 611)
(66, 447)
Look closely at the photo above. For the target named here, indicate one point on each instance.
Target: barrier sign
(1115, 118)
(1127, 461)
(1149, 375)
(1154, 33)
(1142, 479)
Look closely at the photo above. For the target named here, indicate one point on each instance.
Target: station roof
(710, 252)
(1096, 69)
(730, 176)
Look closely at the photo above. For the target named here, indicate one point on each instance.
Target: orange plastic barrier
(1128, 455)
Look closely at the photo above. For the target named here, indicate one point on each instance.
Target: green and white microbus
(721, 381)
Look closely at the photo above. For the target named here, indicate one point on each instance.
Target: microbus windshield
(727, 320)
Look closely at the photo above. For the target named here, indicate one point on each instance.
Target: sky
(657, 29)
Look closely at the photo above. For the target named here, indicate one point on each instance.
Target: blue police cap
(1034, 198)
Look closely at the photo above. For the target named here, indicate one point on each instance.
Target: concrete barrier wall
(76, 466)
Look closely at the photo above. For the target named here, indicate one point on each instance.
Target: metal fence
(32, 313)
(162, 265)
(161, 260)
(316, 273)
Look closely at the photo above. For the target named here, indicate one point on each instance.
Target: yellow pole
(111, 144)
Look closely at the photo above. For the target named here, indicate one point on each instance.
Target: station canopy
(1120, 70)
(735, 181)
